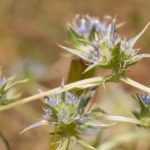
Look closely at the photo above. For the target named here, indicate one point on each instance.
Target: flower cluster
(144, 113)
(67, 114)
(98, 43)
(64, 109)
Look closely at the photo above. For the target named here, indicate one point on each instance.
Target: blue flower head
(67, 114)
(65, 110)
(62, 108)
(99, 44)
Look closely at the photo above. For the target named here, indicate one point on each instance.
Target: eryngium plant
(98, 43)
(67, 114)
(143, 114)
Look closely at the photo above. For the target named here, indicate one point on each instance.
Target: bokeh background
(30, 31)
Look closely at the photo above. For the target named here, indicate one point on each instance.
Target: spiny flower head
(63, 109)
(67, 114)
(98, 43)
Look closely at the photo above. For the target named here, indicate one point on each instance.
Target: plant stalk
(125, 138)
(86, 83)
(135, 84)
(91, 82)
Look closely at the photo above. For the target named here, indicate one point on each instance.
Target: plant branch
(135, 84)
(86, 83)
(79, 84)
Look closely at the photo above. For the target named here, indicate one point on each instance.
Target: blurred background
(30, 31)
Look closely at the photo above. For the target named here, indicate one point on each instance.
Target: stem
(79, 84)
(122, 119)
(5, 141)
(118, 140)
(135, 84)
(91, 82)
(67, 148)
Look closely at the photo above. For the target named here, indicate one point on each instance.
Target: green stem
(91, 82)
(135, 84)
(121, 139)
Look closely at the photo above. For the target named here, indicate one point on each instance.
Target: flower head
(67, 114)
(63, 109)
(99, 43)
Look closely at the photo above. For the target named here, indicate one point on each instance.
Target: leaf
(17, 83)
(116, 56)
(89, 68)
(86, 98)
(74, 51)
(98, 110)
(92, 33)
(63, 145)
(134, 40)
(85, 144)
(11, 98)
(39, 123)
(2, 89)
(144, 109)
(84, 41)
(59, 146)
(137, 58)
(73, 37)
